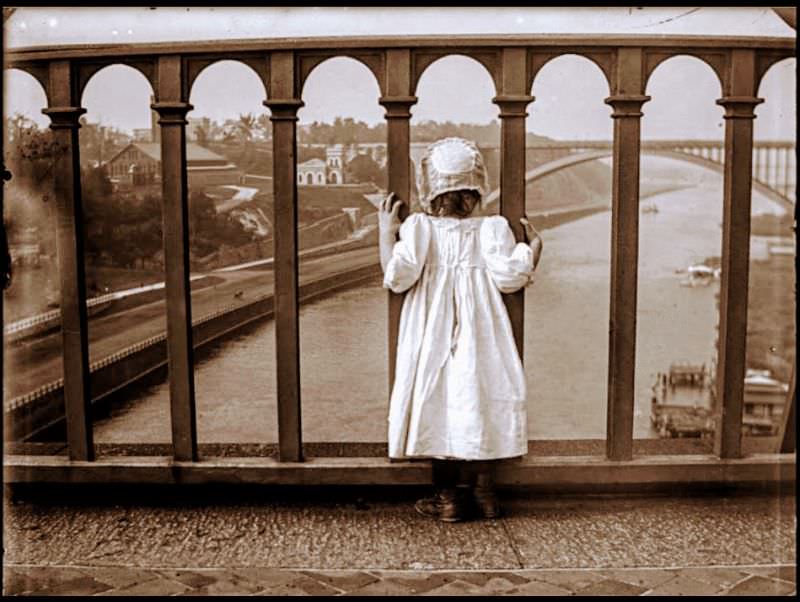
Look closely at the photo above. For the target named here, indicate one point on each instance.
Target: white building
(334, 163)
(312, 173)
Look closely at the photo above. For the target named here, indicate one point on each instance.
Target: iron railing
(397, 64)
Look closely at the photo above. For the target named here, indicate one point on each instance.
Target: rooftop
(194, 152)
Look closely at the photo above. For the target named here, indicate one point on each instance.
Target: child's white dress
(459, 388)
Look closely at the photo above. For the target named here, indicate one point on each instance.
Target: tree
(245, 127)
(201, 135)
(29, 152)
(264, 126)
(362, 168)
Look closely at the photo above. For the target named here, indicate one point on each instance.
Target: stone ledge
(560, 473)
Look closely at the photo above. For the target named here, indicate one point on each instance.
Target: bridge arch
(575, 159)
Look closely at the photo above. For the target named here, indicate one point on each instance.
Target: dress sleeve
(509, 263)
(408, 254)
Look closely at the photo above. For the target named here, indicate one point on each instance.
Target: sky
(569, 91)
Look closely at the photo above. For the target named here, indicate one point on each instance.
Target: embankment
(32, 414)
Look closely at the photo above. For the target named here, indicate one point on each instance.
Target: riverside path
(30, 365)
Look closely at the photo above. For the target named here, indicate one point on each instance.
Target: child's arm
(388, 226)
(533, 239)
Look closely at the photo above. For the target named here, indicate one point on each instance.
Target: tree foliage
(363, 168)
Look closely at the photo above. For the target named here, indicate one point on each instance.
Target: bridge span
(773, 161)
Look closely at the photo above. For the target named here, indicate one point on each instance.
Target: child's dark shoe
(443, 505)
(486, 502)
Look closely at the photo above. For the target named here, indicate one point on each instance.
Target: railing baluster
(397, 102)
(739, 104)
(513, 100)
(284, 104)
(627, 100)
(172, 108)
(64, 114)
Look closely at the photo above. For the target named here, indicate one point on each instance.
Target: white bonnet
(450, 164)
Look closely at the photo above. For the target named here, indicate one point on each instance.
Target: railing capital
(513, 105)
(739, 107)
(626, 105)
(397, 107)
(283, 109)
(64, 117)
(172, 113)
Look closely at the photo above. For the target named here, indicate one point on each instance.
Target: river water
(344, 350)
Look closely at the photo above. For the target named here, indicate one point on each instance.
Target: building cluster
(331, 171)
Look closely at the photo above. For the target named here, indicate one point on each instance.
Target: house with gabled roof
(139, 164)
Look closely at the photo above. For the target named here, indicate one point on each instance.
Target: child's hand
(533, 239)
(531, 233)
(388, 218)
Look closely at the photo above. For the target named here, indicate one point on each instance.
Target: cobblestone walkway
(118, 581)
(341, 542)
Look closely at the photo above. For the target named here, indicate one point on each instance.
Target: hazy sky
(569, 91)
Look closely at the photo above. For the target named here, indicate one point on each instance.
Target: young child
(459, 391)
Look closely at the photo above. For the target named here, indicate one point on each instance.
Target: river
(344, 350)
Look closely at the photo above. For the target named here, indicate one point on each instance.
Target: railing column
(513, 100)
(397, 103)
(172, 108)
(64, 114)
(739, 107)
(283, 106)
(627, 102)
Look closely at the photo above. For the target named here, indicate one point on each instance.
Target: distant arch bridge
(774, 163)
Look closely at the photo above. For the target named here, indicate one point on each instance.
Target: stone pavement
(371, 542)
(119, 581)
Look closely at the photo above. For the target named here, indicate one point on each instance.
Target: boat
(700, 275)
(650, 208)
(683, 402)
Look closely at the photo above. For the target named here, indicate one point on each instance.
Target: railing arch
(490, 60)
(666, 60)
(718, 62)
(375, 62)
(766, 61)
(87, 70)
(195, 66)
(603, 60)
(40, 73)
